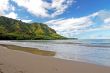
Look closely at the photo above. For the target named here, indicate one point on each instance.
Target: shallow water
(91, 51)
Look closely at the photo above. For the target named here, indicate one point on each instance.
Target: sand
(13, 61)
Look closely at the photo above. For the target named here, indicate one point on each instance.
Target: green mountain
(11, 29)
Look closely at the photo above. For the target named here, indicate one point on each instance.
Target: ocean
(95, 51)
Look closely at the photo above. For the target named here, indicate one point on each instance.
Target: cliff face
(11, 29)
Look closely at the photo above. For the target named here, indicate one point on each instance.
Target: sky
(82, 19)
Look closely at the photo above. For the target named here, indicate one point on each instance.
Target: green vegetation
(31, 50)
(11, 29)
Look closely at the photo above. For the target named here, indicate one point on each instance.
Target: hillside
(11, 29)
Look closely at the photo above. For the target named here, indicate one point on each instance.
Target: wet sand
(14, 61)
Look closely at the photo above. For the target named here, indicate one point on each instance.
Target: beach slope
(14, 61)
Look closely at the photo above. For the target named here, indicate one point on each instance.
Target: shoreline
(14, 61)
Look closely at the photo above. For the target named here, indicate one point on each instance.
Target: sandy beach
(13, 61)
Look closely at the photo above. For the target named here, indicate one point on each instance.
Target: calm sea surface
(90, 51)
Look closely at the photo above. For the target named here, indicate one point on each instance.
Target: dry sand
(12, 61)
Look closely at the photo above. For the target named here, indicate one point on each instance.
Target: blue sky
(83, 19)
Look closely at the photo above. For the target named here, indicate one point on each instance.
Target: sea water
(90, 51)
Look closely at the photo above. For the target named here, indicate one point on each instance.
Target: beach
(14, 61)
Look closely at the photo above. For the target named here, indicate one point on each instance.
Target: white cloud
(71, 23)
(107, 20)
(71, 26)
(98, 36)
(60, 6)
(12, 15)
(4, 5)
(27, 21)
(41, 7)
(12, 8)
(74, 26)
(35, 7)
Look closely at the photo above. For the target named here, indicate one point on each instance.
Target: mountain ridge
(12, 29)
